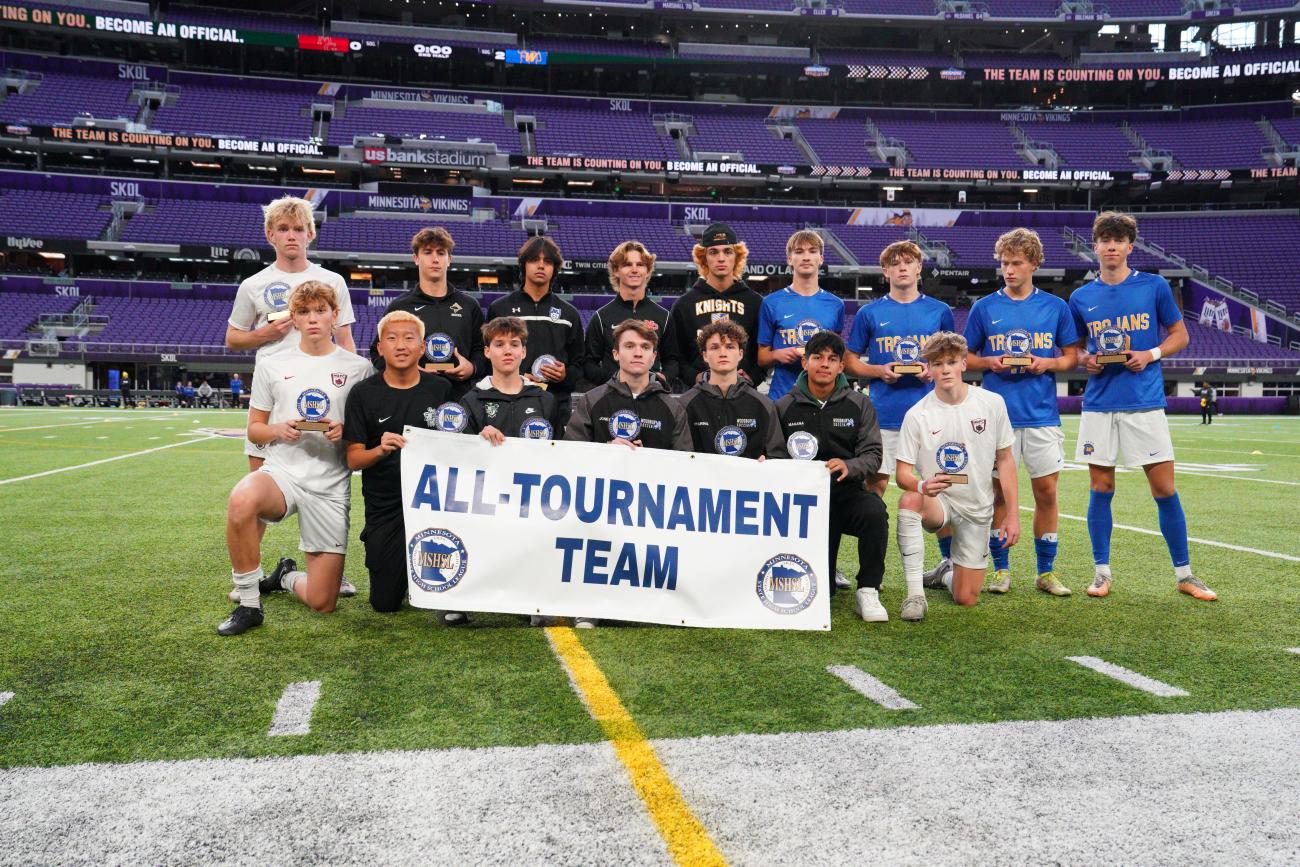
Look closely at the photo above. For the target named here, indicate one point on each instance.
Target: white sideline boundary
(1275, 555)
(294, 710)
(1130, 677)
(866, 685)
(58, 470)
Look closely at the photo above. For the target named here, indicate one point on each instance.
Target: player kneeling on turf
(296, 408)
(954, 438)
(378, 411)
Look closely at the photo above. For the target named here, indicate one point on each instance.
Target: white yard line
(102, 461)
(4, 698)
(1275, 555)
(1130, 677)
(1235, 478)
(293, 711)
(63, 424)
(864, 684)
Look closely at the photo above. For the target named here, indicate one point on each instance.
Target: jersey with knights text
(1129, 316)
(701, 305)
(375, 408)
(268, 292)
(293, 385)
(958, 439)
(877, 331)
(1041, 324)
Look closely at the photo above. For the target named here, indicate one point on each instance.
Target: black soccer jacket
(709, 412)
(658, 415)
(515, 415)
(457, 315)
(600, 334)
(554, 328)
(696, 309)
(845, 427)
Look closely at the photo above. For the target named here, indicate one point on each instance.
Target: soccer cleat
(1000, 582)
(585, 622)
(1100, 586)
(453, 618)
(347, 588)
(271, 583)
(934, 578)
(914, 608)
(842, 581)
(1049, 583)
(240, 620)
(1196, 588)
(866, 603)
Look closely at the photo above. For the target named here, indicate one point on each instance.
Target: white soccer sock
(291, 578)
(911, 545)
(1182, 572)
(246, 584)
(947, 579)
(1103, 569)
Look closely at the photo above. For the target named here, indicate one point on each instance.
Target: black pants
(385, 543)
(861, 514)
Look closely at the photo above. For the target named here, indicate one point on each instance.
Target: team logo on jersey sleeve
(952, 457)
(339, 379)
(624, 424)
(1019, 342)
(731, 440)
(439, 347)
(556, 313)
(806, 329)
(786, 584)
(542, 361)
(801, 445)
(450, 417)
(1112, 340)
(276, 295)
(536, 429)
(313, 404)
(438, 559)
(907, 350)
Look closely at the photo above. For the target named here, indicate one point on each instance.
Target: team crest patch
(952, 457)
(978, 425)
(536, 429)
(438, 560)
(450, 417)
(801, 445)
(339, 379)
(786, 584)
(313, 404)
(276, 295)
(731, 440)
(1088, 448)
(456, 308)
(555, 314)
(624, 424)
(491, 409)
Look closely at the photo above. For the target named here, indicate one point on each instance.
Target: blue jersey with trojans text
(787, 319)
(877, 329)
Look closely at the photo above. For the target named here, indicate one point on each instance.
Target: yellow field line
(688, 841)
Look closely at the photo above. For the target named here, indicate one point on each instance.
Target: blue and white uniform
(788, 319)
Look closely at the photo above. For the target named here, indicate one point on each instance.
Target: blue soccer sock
(1099, 526)
(1173, 526)
(945, 547)
(1045, 548)
(1000, 553)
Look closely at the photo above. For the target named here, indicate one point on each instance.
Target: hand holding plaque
(952, 458)
(1112, 347)
(536, 370)
(1018, 343)
(907, 356)
(439, 352)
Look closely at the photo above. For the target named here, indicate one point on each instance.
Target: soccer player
(950, 443)
(504, 404)
(727, 415)
(788, 317)
(630, 266)
(554, 326)
(305, 472)
(1021, 323)
(378, 410)
(1122, 312)
(719, 293)
(452, 319)
(632, 409)
(824, 419)
(290, 227)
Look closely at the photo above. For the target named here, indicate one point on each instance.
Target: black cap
(717, 234)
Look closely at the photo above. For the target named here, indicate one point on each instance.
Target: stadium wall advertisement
(727, 542)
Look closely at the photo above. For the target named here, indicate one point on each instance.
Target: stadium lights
(1295, 96)
(307, 170)
(529, 180)
(580, 183)
(45, 255)
(199, 165)
(1030, 190)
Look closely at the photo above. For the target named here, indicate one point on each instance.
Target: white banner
(594, 530)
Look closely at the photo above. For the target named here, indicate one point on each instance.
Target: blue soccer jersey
(876, 331)
(1136, 308)
(1046, 319)
(788, 319)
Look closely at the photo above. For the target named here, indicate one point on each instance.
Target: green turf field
(115, 577)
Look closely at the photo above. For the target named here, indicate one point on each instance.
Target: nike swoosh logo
(384, 419)
(1152, 454)
(883, 324)
(529, 411)
(996, 321)
(935, 433)
(1092, 308)
(291, 376)
(421, 307)
(787, 316)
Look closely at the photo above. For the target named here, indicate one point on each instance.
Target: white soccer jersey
(962, 439)
(293, 385)
(268, 291)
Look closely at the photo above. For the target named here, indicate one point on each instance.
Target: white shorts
(889, 453)
(970, 539)
(1040, 450)
(253, 450)
(1140, 436)
(323, 521)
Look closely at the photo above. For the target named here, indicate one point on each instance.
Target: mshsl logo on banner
(592, 530)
